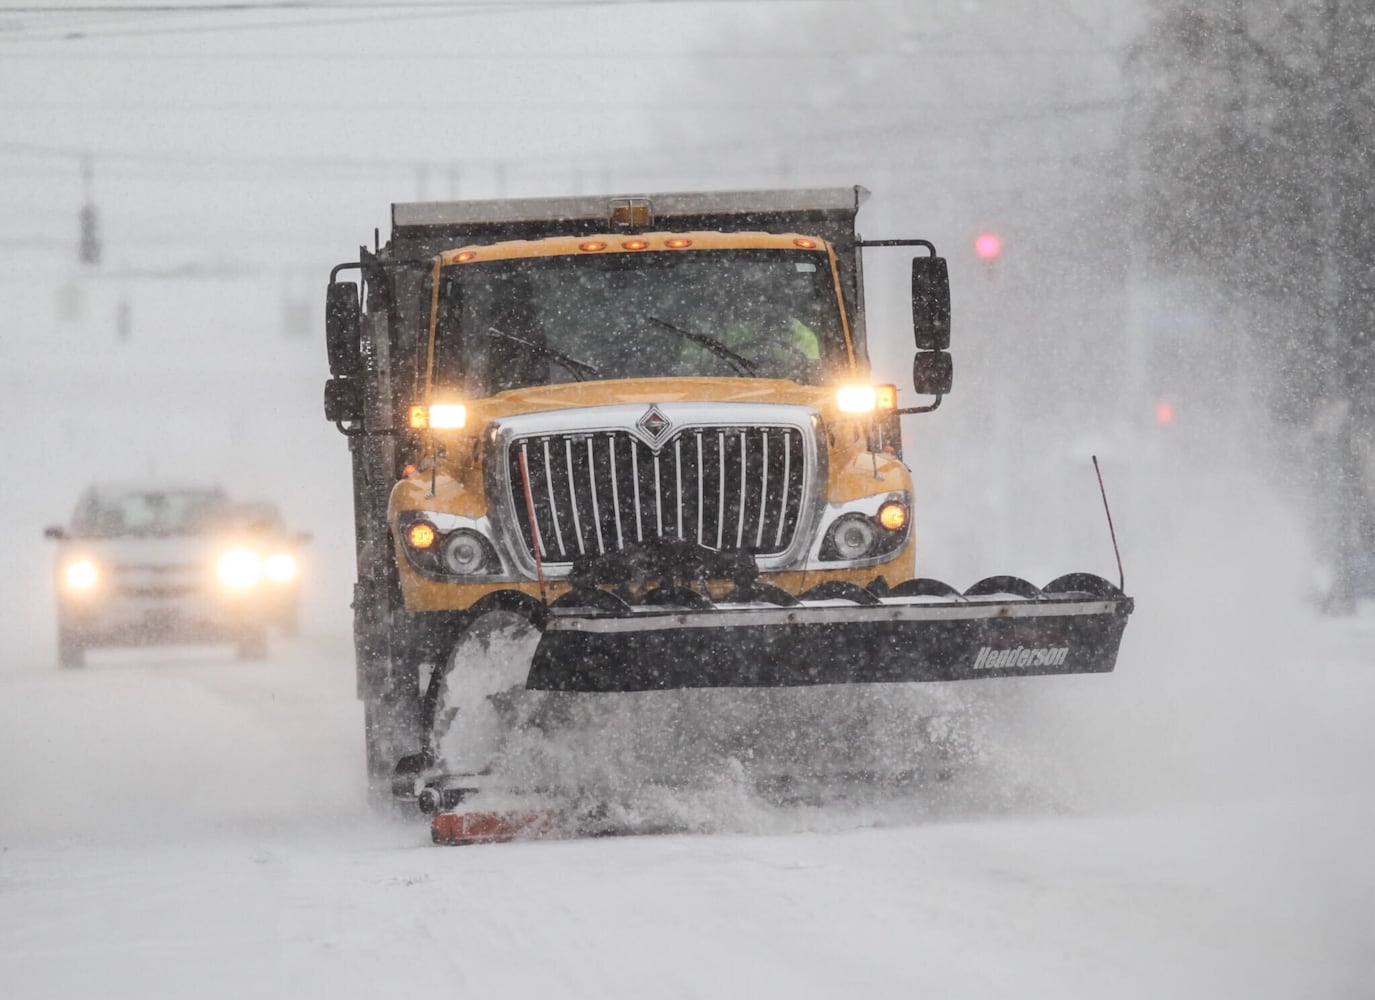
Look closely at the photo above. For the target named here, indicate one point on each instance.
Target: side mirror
(932, 373)
(931, 303)
(343, 400)
(343, 322)
(54, 532)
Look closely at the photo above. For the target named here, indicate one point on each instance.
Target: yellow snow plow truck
(645, 429)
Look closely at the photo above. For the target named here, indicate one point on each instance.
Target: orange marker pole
(534, 526)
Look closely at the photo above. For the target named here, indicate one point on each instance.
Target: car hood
(132, 551)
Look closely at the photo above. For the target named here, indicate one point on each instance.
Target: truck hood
(667, 390)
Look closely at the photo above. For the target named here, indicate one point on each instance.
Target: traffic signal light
(988, 246)
(90, 235)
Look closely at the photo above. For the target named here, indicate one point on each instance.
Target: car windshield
(146, 513)
(506, 324)
(257, 518)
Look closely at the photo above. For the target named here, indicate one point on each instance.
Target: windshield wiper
(578, 369)
(710, 343)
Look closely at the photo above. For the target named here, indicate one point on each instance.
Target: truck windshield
(528, 321)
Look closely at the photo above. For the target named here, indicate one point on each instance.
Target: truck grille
(724, 488)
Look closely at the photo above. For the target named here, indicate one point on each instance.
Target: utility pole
(89, 249)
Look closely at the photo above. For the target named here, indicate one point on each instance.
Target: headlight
(465, 552)
(858, 536)
(280, 567)
(443, 546)
(853, 537)
(240, 569)
(438, 416)
(857, 398)
(81, 575)
(448, 416)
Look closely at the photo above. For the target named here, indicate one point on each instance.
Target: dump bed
(431, 226)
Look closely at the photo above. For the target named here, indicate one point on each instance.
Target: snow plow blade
(491, 826)
(919, 631)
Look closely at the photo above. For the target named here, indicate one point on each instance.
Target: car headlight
(280, 567)
(240, 569)
(81, 574)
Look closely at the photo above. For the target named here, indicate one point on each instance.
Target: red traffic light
(1164, 413)
(988, 246)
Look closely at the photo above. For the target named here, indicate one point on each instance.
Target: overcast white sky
(265, 145)
(287, 133)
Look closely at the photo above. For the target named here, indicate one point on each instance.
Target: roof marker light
(805, 243)
(677, 243)
(465, 256)
(634, 245)
(591, 246)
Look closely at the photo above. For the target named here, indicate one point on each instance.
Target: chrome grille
(726, 488)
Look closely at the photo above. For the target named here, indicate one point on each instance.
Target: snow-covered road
(178, 824)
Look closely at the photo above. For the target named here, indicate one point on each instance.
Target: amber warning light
(892, 515)
(421, 535)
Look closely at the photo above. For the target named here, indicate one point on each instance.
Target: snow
(201, 833)
(174, 823)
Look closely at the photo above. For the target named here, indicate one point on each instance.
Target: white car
(263, 528)
(149, 564)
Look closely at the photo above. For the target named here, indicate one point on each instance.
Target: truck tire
(290, 622)
(252, 644)
(71, 649)
(382, 753)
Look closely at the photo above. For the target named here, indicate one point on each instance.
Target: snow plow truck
(644, 430)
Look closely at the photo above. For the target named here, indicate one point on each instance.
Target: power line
(334, 5)
(534, 107)
(320, 162)
(540, 55)
(406, 10)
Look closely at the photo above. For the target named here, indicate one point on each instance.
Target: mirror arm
(351, 266)
(930, 247)
(358, 430)
(935, 404)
